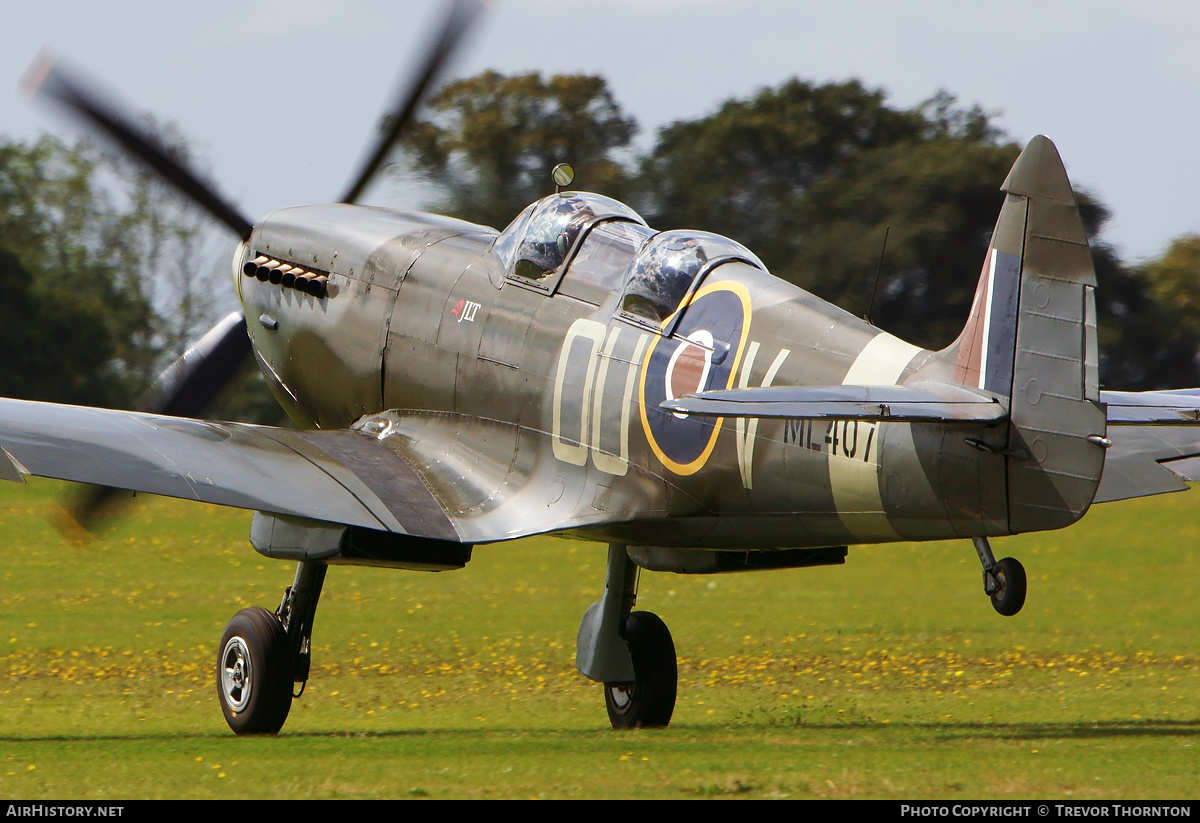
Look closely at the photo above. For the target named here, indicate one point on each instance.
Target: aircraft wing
(436, 475)
(336, 476)
(922, 402)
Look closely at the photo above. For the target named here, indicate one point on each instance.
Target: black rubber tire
(254, 673)
(648, 702)
(1011, 586)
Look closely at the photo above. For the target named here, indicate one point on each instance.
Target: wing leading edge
(339, 476)
(445, 477)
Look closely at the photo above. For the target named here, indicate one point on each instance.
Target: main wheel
(1009, 596)
(649, 701)
(254, 673)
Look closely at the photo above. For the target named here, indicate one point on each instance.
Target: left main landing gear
(630, 652)
(1004, 580)
(262, 655)
(253, 673)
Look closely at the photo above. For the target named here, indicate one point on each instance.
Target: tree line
(106, 276)
(104, 281)
(809, 177)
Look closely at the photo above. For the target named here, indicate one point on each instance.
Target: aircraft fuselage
(422, 318)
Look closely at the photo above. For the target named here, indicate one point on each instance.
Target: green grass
(889, 677)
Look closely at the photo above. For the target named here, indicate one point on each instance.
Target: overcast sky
(279, 96)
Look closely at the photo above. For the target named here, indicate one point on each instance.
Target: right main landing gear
(262, 655)
(631, 653)
(1004, 580)
(649, 701)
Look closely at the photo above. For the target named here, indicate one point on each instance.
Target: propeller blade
(185, 389)
(83, 100)
(189, 384)
(462, 15)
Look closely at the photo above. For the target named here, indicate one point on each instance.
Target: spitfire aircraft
(581, 374)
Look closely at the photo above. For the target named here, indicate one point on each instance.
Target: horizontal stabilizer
(1152, 408)
(923, 402)
(1155, 439)
(1149, 460)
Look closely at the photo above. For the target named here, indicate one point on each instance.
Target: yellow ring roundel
(703, 354)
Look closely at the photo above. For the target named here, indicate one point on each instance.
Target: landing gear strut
(1004, 580)
(263, 654)
(630, 652)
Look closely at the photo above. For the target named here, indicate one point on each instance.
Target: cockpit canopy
(669, 263)
(541, 238)
(656, 271)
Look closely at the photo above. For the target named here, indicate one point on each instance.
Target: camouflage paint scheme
(531, 406)
(741, 420)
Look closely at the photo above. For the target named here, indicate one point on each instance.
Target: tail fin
(1031, 337)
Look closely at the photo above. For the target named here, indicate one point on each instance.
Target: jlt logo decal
(465, 309)
(703, 354)
(578, 423)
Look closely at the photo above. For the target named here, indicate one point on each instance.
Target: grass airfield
(889, 677)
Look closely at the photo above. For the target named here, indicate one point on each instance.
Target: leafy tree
(809, 177)
(100, 265)
(56, 343)
(940, 198)
(1174, 281)
(1158, 320)
(67, 262)
(745, 170)
(490, 141)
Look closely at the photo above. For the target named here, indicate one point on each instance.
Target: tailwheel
(254, 673)
(1008, 594)
(649, 701)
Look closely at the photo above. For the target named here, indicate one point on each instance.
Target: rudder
(1031, 338)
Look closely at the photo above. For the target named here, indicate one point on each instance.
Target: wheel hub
(236, 674)
(620, 694)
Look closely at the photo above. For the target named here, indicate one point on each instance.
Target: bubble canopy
(669, 263)
(657, 278)
(541, 238)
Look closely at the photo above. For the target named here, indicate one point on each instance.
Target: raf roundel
(702, 355)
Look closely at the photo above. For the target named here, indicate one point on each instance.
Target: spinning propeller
(189, 385)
